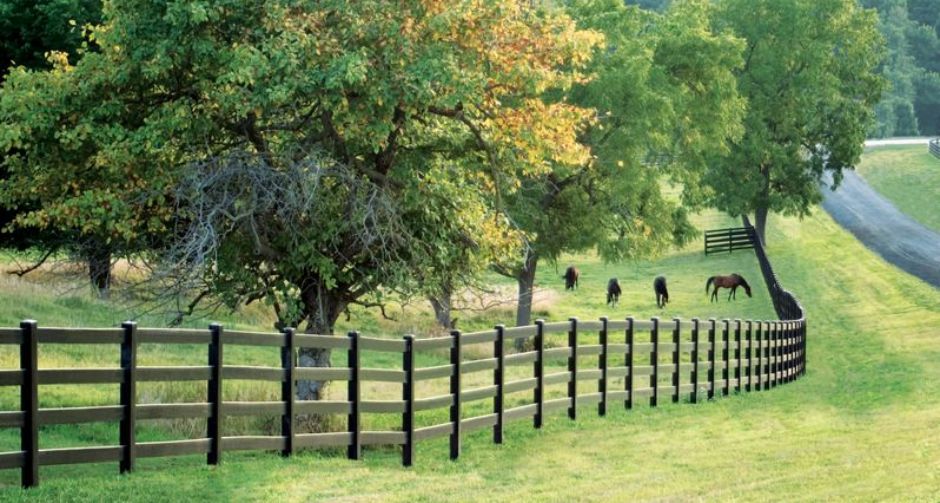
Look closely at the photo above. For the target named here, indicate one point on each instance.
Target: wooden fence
(678, 359)
(729, 240)
(934, 147)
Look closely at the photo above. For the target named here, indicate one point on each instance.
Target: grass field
(863, 424)
(909, 177)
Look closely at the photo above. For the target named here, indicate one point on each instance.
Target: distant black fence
(934, 147)
(785, 303)
(729, 240)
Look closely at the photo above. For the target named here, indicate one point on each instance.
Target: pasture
(909, 177)
(864, 422)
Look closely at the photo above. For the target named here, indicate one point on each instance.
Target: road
(878, 224)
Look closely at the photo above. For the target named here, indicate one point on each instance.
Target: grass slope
(863, 424)
(909, 177)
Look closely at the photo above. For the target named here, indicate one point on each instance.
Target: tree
(664, 95)
(810, 80)
(31, 31)
(299, 153)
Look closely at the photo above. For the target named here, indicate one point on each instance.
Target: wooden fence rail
(670, 362)
(933, 146)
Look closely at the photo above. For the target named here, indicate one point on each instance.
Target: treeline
(319, 155)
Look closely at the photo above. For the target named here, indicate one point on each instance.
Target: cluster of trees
(911, 104)
(317, 155)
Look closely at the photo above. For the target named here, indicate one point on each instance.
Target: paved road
(878, 224)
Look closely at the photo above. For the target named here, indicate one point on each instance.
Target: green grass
(909, 177)
(863, 424)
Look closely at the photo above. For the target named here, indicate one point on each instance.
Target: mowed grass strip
(909, 177)
(863, 424)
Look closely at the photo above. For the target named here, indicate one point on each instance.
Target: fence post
(654, 361)
(768, 347)
(288, 391)
(775, 353)
(737, 355)
(628, 382)
(455, 357)
(539, 373)
(602, 362)
(29, 403)
(214, 425)
(711, 358)
(694, 358)
(725, 356)
(750, 355)
(499, 379)
(354, 396)
(677, 351)
(573, 369)
(128, 394)
(759, 369)
(408, 395)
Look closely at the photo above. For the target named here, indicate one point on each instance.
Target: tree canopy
(810, 79)
(301, 153)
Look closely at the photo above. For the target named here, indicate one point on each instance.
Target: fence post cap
(129, 323)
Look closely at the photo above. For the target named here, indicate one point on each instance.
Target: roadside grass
(909, 177)
(864, 423)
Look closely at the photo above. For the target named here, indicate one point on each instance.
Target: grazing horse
(662, 294)
(613, 291)
(732, 282)
(571, 277)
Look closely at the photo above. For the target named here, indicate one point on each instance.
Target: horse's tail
(708, 284)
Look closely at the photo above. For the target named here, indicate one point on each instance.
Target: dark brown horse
(732, 282)
(571, 277)
(662, 294)
(613, 291)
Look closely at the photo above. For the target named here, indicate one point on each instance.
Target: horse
(571, 277)
(662, 294)
(613, 291)
(732, 282)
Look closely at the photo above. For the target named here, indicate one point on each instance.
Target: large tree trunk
(442, 308)
(526, 280)
(324, 307)
(760, 223)
(99, 270)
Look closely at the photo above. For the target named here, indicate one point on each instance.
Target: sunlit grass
(908, 176)
(863, 424)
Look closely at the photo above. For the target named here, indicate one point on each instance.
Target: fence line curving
(572, 366)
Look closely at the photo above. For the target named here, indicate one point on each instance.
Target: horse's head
(747, 288)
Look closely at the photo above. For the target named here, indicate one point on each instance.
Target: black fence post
(768, 345)
(354, 396)
(694, 358)
(455, 413)
(628, 382)
(29, 403)
(408, 395)
(499, 379)
(739, 363)
(750, 355)
(725, 357)
(774, 352)
(759, 368)
(289, 391)
(654, 361)
(539, 373)
(711, 358)
(573, 369)
(128, 394)
(676, 361)
(214, 424)
(602, 363)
